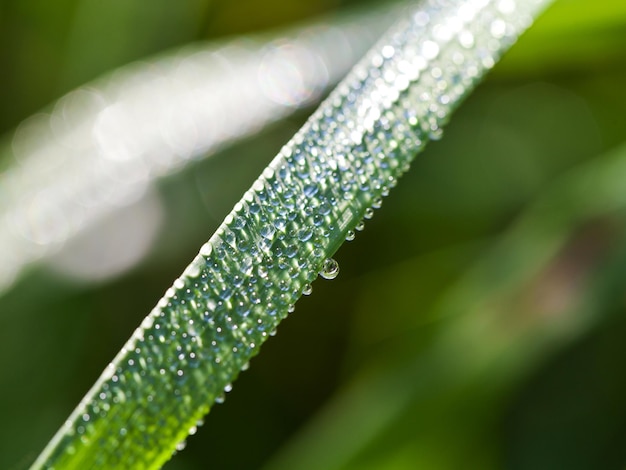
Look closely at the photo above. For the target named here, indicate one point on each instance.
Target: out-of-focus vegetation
(478, 321)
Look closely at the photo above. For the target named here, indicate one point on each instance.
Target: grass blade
(280, 236)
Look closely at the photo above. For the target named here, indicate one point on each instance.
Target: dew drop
(307, 289)
(291, 308)
(206, 249)
(305, 234)
(181, 446)
(291, 250)
(360, 226)
(435, 133)
(310, 190)
(318, 220)
(430, 50)
(350, 235)
(330, 269)
(225, 293)
(267, 231)
(369, 213)
(242, 308)
(324, 208)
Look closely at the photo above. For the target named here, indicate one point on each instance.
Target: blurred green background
(478, 321)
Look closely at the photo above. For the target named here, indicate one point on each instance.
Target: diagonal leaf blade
(281, 235)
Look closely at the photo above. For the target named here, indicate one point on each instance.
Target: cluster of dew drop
(315, 194)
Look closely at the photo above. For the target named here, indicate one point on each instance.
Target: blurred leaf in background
(478, 321)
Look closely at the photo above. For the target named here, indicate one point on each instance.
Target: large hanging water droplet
(330, 269)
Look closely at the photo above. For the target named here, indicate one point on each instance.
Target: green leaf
(320, 188)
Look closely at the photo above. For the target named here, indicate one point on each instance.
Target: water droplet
(254, 208)
(242, 308)
(307, 289)
(206, 249)
(369, 213)
(324, 208)
(330, 269)
(360, 226)
(181, 446)
(305, 234)
(225, 293)
(318, 220)
(350, 235)
(291, 308)
(430, 50)
(267, 231)
(435, 133)
(310, 190)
